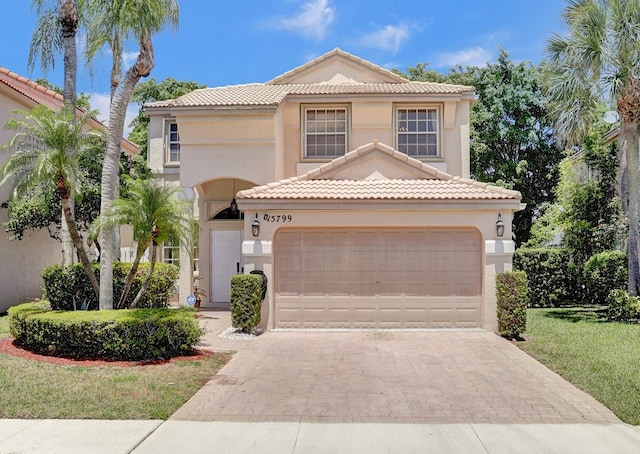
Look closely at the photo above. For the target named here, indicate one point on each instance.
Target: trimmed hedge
(246, 301)
(126, 335)
(552, 279)
(511, 310)
(63, 286)
(603, 273)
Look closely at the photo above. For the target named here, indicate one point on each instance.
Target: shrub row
(554, 280)
(246, 301)
(127, 335)
(511, 292)
(66, 286)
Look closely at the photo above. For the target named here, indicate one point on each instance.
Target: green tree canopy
(512, 139)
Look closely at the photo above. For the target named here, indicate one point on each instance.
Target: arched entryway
(221, 236)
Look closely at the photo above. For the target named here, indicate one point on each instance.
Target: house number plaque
(277, 218)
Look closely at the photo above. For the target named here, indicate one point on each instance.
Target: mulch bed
(8, 347)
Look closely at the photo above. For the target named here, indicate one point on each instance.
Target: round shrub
(125, 335)
(622, 307)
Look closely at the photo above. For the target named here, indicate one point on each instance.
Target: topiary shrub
(552, 279)
(126, 335)
(18, 314)
(64, 286)
(622, 307)
(511, 293)
(603, 273)
(246, 301)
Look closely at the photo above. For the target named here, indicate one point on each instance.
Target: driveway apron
(389, 377)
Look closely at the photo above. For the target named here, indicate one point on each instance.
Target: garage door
(377, 278)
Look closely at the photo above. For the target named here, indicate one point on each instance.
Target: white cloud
(389, 38)
(101, 102)
(474, 56)
(129, 58)
(312, 21)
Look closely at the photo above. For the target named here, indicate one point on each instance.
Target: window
(417, 130)
(171, 254)
(172, 142)
(325, 133)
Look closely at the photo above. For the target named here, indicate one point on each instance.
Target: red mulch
(8, 347)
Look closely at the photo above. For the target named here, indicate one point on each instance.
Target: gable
(337, 67)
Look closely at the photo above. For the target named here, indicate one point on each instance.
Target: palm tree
(47, 148)
(599, 58)
(112, 23)
(157, 216)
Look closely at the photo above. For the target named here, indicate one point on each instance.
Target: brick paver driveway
(402, 377)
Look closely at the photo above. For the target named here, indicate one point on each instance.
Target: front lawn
(36, 389)
(599, 357)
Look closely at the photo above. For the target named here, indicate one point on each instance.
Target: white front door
(226, 260)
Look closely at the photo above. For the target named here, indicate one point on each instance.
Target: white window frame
(307, 131)
(421, 134)
(172, 258)
(168, 123)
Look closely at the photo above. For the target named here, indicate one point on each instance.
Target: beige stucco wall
(21, 262)
(497, 252)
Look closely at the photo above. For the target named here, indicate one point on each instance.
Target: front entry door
(226, 260)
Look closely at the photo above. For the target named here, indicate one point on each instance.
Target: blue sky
(232, 42)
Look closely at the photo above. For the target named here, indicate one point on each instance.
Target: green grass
(4, 326)
(600, 357)
(36, 389)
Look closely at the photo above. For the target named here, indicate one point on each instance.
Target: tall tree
(46, 150)
(512, 141)
(156, 215)
(55, 32)
(150, 91)
(114, 22)
(598, 57)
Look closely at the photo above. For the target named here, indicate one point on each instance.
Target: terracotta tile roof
(436, 184)
(53, 100)
(382, 189)
(272, 95)
(30, 89)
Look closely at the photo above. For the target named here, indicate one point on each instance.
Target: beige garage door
(377, 278)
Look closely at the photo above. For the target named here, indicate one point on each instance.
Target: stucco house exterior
(348, 186)
(22, 262)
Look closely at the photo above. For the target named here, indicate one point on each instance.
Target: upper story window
(325, 131)
(172, 142)
(417, 130)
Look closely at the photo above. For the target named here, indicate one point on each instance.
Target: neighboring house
(353, 197)
(22, 262)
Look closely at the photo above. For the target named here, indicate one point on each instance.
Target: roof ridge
(32, 84)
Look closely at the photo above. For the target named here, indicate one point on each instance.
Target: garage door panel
(385, 278)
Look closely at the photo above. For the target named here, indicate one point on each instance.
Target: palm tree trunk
(68, 18)
(147, 281)
(134, 269)
(77, 242)
(110, 169)
(632, 146)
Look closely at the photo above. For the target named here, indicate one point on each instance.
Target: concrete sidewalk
(193, 437)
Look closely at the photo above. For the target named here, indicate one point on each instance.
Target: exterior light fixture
(255, 227)
(499, 225)
(233, 206)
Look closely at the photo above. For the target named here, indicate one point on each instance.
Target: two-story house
(348, 186)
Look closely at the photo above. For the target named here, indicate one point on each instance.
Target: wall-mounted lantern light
(499, 225)
(255, 227)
